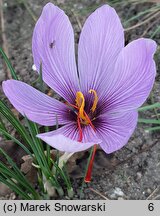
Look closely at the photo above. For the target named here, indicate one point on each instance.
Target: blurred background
(134, 171)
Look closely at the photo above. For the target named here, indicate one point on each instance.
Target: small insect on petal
(52, 44)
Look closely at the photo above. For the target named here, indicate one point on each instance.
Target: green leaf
(155, 32)
(62, 174)
(152, 129)
(41, 79)
(2, 127)
(8, 63)
(6, 134)
(48, 148)
(16, 173)
(67, 176)
(40, 154)
(149, 121)
(88, 161)
(13, 186)
(144, 108)
(140, 14)
(6, 112)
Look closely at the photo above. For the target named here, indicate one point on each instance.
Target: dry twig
(153, 193)
(77, 19)
(101, 195)
(149, 27)
(143, 22)
(4, 38)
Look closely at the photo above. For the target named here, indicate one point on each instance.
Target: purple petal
(115, 130)
(53, 46)
(37, 106)
(101, 40)
(132, 78)
(66, 138)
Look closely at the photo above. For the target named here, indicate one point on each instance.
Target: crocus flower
(101, 97)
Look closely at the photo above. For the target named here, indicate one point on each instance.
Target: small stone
(139, 175)
(27, 165)
(5, 5)
(12, 196)
(2, 75)
(118, 192)
(4, 190)
(120, 198)
(149, 191)
(34, 67)
(60, 1)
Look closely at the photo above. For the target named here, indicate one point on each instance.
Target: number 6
(151, 207)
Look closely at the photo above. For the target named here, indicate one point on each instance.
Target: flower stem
(86, 170)
(60, 191)
(70, 192)
(90, 166)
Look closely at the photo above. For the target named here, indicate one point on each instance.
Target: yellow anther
(95, 99)
(80, 102)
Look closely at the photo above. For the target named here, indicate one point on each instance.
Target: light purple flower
(101, 104)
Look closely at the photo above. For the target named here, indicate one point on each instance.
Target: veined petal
(65, 138)
(37, 106)
(101, 40)
(115, 130)
(132, 79)
(53, 46)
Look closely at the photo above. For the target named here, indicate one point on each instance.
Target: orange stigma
(82, 117)
(80, 103)
(95, 100)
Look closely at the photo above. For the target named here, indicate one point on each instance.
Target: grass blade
(6, 134)
(6, 112)
(156, 105)
(155, 32)
(152, 129)
(12, 185)
(149, 121)
(17, 174)
(9, 65)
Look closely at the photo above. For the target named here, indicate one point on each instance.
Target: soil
(130, 173)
